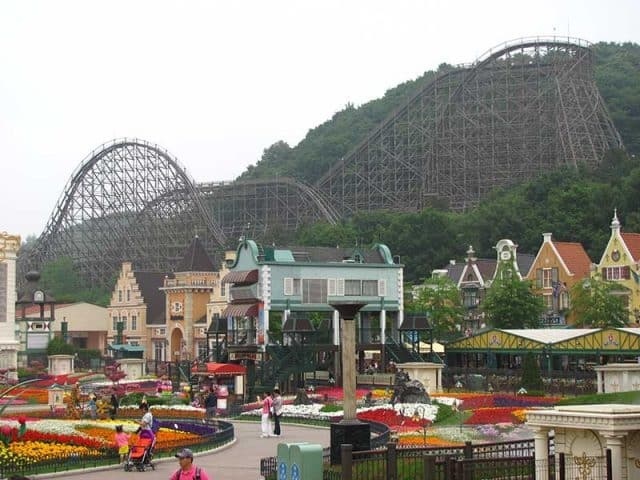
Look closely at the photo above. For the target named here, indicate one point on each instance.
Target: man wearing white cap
(188, 471)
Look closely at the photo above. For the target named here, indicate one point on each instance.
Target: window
(158, 350)
(616, 273)
(119, 295)
(564, 300)
(314, 290)
(546, 277)
(223, 292)
(370, 288)
(201, 347)
(128, 295)
(292, 286)
(470, 297)
(353, 287)
(548, 302)
(124, 322)
(134, 322)
(115, 322)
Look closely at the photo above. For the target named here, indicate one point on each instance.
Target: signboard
(37, 341)
(244, 356)
(553, 321)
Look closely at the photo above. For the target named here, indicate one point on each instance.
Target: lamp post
(349, 430)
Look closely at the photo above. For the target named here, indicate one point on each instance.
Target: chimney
(547, 237)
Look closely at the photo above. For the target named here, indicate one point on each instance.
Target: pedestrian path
(238, 461)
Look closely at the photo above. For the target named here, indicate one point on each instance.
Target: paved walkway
(239, 461)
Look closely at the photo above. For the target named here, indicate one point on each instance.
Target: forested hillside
(617, 74)
(575, 205)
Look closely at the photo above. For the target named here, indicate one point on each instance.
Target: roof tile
(574, 257)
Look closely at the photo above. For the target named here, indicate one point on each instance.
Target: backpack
(155, 426)
(176, 476)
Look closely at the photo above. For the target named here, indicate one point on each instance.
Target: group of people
(271, 410)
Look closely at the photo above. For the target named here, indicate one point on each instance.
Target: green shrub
(444, 412)
(331, 408)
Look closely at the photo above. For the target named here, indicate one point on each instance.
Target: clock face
(615, 255)
(176, 307)
(505, 255)
(38, 296)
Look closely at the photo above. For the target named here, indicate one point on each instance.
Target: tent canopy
(225, 369)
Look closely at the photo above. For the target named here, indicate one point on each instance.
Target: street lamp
(349, 430)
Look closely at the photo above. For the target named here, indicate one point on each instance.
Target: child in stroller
(141, 452)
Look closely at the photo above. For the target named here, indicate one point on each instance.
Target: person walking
(277, 411)
(113, 410)
(265, 422)
(122, 443)
(187, 470)
(210, 403)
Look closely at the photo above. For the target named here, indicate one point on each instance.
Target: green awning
(125, 347)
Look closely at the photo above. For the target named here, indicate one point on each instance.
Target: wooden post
(346, 455)
(392, 461)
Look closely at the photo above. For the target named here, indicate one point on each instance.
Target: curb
(82, 471)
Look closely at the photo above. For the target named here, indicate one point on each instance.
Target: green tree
(57, 346)
(439, 298)
(595, 304)
(531, 378)
(512, 303)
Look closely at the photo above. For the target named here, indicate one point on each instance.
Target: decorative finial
(615, 223)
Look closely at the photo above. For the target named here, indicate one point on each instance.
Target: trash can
(306, 462)
(284, 460)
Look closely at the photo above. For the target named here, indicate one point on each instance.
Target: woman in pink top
(122, 442)
(265, 423)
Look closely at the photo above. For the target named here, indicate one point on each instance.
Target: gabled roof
(524, 261)
(196, 259)
(574, 257)
(154, 298)
(549, 335)
(632, 241)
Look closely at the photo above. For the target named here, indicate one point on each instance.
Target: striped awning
(241, 310)
(241, 276)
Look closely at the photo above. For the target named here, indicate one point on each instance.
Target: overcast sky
(217, 82)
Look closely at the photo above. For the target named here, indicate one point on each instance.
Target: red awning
(241, 310)
(241, 276)
(225, 369)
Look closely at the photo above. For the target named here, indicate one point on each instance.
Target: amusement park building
(557, 349)
(620, 263)
(557, 267)
(279, 305)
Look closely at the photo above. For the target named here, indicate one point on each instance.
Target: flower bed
(49, 441)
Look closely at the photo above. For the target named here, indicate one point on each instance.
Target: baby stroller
(141, 453)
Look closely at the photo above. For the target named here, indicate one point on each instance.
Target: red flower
(22, 419)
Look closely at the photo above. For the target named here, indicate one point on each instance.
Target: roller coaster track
(522, 108)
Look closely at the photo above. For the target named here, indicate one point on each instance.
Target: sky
(217, 82)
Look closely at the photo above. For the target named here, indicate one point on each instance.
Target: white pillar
(266, 326)
(625, 381)
(438, 380)
(541, 442)
(614, 443)
(383, 326)
(599, 381)
(336, 328)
